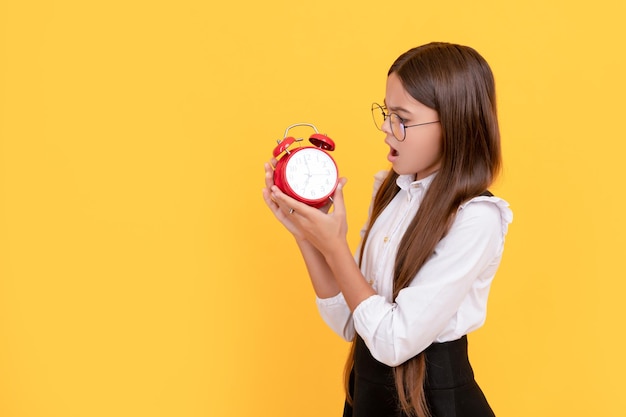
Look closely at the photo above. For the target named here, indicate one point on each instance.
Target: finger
(267, 196)
(283, 216)
(288, 205)
(278, 197)
(269, 175)
(338, 201)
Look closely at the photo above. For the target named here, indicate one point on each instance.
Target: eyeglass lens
(379, 115)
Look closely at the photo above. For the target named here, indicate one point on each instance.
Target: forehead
(396, 96)
(397, 99)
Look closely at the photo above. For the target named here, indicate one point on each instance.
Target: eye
(396, 117)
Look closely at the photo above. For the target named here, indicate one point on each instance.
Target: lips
(393, 154)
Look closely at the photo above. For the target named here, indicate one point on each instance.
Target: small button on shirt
(447, 298)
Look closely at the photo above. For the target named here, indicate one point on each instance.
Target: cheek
(432, 148)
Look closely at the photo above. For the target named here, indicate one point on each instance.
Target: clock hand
(306, 162)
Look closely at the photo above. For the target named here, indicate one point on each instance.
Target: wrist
(304, 243)
(337, 254)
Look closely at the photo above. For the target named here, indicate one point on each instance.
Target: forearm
(348, 276)
(321, 275)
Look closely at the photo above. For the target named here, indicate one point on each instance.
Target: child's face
(420, 152)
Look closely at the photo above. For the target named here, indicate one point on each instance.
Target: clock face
(311, 173)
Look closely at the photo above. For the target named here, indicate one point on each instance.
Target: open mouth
(393, 154)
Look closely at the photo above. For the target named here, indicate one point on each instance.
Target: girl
(429, 250)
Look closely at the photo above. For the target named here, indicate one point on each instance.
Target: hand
(282, 215)
(326, 231)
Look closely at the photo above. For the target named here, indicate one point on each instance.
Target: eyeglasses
(397, 124)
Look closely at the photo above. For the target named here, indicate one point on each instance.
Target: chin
(400, 171)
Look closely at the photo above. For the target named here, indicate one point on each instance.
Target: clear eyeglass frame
(398, 128)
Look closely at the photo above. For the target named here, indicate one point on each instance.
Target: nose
(386, 126)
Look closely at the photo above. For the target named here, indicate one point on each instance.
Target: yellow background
(140, 272)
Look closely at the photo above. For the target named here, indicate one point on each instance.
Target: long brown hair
(457, 82)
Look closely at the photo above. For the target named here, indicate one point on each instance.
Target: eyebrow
(396, 109)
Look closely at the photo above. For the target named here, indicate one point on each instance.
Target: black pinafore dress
(450, 388)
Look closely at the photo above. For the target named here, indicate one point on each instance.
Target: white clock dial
(311, 173)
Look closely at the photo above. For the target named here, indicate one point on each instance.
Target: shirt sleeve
(458, 273)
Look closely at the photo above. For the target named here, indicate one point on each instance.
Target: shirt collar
(414, 187)
(406, 182)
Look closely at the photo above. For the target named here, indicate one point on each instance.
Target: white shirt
(447, 298)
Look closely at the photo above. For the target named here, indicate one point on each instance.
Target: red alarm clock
(307, 173)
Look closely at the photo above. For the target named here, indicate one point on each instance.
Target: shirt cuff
(368, 313)
(336, 314)
(329, 302)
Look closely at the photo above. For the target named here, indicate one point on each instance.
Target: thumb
(338, 195)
